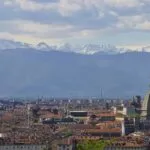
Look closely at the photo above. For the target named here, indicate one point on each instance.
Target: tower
(28, 115)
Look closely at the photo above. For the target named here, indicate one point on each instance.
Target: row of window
(22, 147)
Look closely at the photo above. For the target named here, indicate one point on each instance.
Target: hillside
(28, 72)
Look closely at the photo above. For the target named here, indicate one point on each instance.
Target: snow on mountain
(94, 48)
(87, 49)
(66, 47)
(43, 45)
(146, 49)
(9, 44)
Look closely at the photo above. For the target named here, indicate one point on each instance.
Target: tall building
(146, 106)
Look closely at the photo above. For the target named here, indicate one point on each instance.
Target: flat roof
(78, 111)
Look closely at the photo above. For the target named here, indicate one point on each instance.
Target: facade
(79, 116)
(23, 147)
(67, 120)
(79, 113)
(144, 125)
(64, 147)
(129, 126)
(126, 148)
(66, 144)
(104, 116)
(126, 111)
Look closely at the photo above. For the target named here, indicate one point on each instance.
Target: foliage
(68, 133)
(93, 145)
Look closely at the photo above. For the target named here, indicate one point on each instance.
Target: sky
(123, 23)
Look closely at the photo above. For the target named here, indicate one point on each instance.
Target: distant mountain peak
(10, 44)
(42, 45)
(65, 47)
(146, 49)
(97, 48)
(87, 49)
(57, 74)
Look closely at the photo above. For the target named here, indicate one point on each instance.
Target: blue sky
(124, 23)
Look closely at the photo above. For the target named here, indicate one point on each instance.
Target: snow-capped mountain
(87, 49)
(94, 48)
(67, 74)
(30, 73)
(10, 44)
(43, 46)
(146, 49)
(66, 47)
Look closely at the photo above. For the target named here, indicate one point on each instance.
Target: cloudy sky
(118, 22)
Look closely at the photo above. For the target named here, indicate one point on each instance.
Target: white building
(124, 110)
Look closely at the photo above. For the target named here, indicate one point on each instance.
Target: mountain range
(72, 71)
(87, 49)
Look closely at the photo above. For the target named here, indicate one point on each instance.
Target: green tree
(92, 145)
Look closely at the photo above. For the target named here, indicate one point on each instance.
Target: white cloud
(73, 19)
(138, 22)
(35, 27)
(64, 7)
(27, 38)
(124, 3)
(29, 5)
(29, 31)
(143, 26)
(25, 26)
(67, 7)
